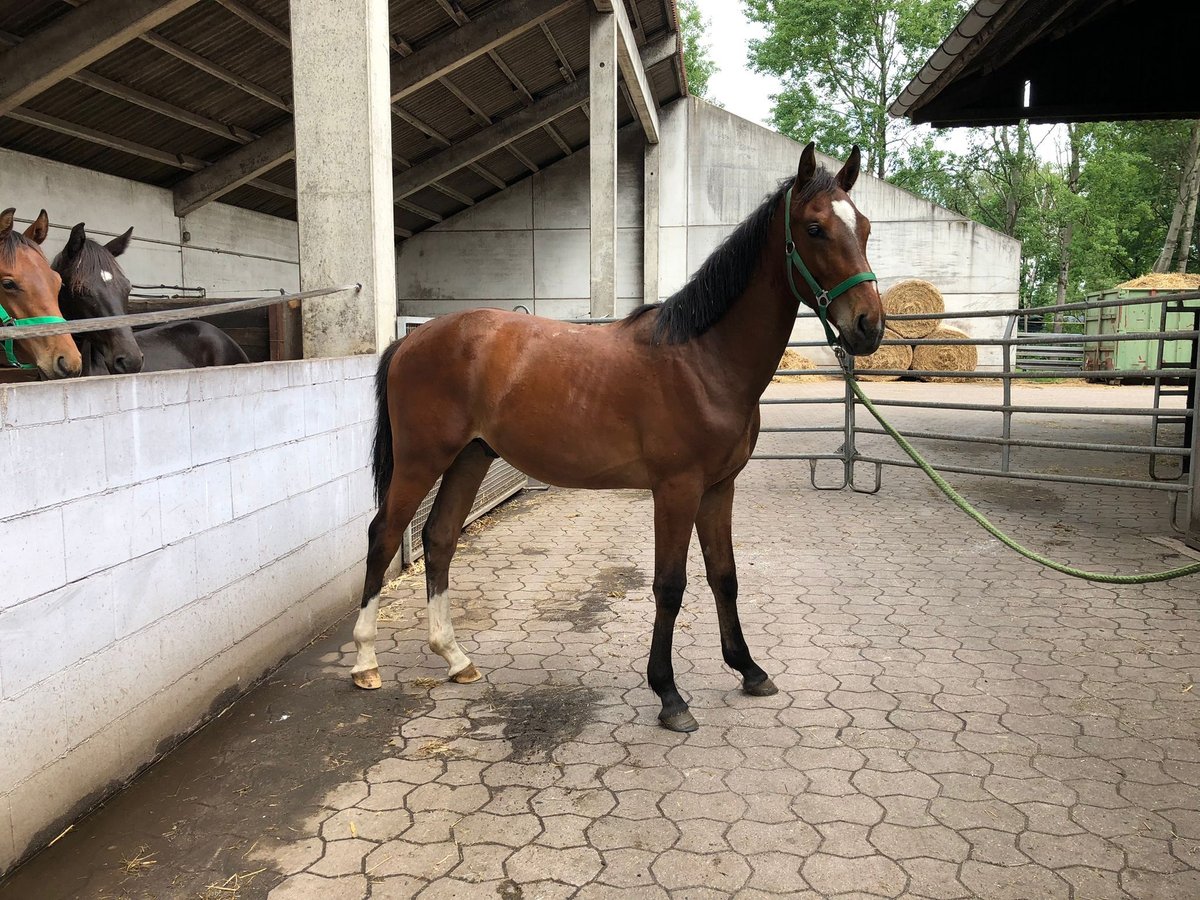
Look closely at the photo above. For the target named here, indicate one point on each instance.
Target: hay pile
(889, 356)
(793, 360)
(945, 357)
(1165, 281)
(910, 298)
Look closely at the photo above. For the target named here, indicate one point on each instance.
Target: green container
(1139, 355)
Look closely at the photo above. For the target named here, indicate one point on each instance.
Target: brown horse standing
(665, 400)
(29, 289)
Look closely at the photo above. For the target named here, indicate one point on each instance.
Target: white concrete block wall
(170, 537)
(529, 244)
(219, 248)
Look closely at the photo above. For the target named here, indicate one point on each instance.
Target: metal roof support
(343, 145)
(644, 106)
(74, 41)
(602, 97)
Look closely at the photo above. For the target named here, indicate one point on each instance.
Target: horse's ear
(849, 173)
(75, 241)
(808, 165)
(39, 229)
(6, 219)
(119, 245)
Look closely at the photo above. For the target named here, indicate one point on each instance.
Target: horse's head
(29, 289)
(93, 286)
(830, 236)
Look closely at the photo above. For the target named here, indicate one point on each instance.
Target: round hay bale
(945, 357)
(912, 297)
(888, 356)
(791, 359)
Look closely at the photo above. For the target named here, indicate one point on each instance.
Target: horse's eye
(814, 229)
(9, 284)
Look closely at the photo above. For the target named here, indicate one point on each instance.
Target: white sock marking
(364, 636)
(844, 210)
(441, 634)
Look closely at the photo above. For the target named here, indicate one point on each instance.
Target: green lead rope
(7, 321)
(961, 503)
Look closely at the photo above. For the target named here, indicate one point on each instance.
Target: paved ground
(952, 722)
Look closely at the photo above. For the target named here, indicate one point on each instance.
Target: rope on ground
(105, 323)
(965, 506)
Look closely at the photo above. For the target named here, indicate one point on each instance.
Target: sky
(748, 94)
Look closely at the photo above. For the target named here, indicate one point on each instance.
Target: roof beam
(630, 64)
(74, 41)
(499, 24)
(241, 166)
(483, 143)
(250, 17)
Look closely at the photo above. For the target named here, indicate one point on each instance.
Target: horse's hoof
(368, 679)
(764, 688)
(467, 675)
(680, 721)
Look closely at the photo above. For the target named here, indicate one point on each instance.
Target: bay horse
(29, 291)
(664, 400)
(94, 285)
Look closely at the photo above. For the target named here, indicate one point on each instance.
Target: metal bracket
(874, 489)
(812, 475)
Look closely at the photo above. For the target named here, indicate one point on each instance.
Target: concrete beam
(602, 150)
(477, 146)
(343, 145)
(241, 166)
(642, 98)
(650, 197)
(76, 40)
(499, 24)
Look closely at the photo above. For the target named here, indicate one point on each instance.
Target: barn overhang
(1060, 61)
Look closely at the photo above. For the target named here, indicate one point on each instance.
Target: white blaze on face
(105, 276)
(844, 210)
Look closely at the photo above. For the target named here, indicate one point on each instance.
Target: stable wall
(219, 248)
(171, 537)
(529, 244)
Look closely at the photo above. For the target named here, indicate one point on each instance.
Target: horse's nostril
(863, 327)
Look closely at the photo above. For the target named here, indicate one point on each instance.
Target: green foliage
(696, 59)
(842, 62)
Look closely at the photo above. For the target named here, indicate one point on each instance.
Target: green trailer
(1138, 355)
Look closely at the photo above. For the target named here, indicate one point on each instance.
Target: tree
(697, 61)
(842, 62)
(1184, 212)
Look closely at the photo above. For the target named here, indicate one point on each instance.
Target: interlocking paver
(951, 723)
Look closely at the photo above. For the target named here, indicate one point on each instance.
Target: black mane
(9, 243)
(81, 271)
(723, 277)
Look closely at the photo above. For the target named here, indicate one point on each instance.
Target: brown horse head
(29, 288)
(831, 237)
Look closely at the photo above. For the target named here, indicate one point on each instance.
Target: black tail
(382, 462)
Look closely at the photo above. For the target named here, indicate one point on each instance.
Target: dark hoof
(764, 688)
(680, 721)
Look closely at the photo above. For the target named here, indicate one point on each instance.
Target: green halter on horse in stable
(29, 296)
(664, 400)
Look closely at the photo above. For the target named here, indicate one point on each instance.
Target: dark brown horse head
(831, 237)
(29, 288)
(93, 286)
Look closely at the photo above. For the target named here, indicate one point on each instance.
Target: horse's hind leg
(440, 539)
(405, 493)
(714, 527)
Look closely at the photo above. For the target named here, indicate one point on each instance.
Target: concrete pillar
(602, 87)
(342, 86)
(650, 224)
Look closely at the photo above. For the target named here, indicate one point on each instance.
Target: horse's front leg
(714, 527)
(675, 506)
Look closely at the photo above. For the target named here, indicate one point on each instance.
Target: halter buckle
(788, 249)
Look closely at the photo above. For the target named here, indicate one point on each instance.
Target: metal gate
(1163, 424)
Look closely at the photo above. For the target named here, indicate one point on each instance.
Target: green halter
(7, 321)
(822, 297)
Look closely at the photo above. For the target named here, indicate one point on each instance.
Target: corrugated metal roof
(76, 123)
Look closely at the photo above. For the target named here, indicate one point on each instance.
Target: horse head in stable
(29, 296)
(826, 242)
(94, 286)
